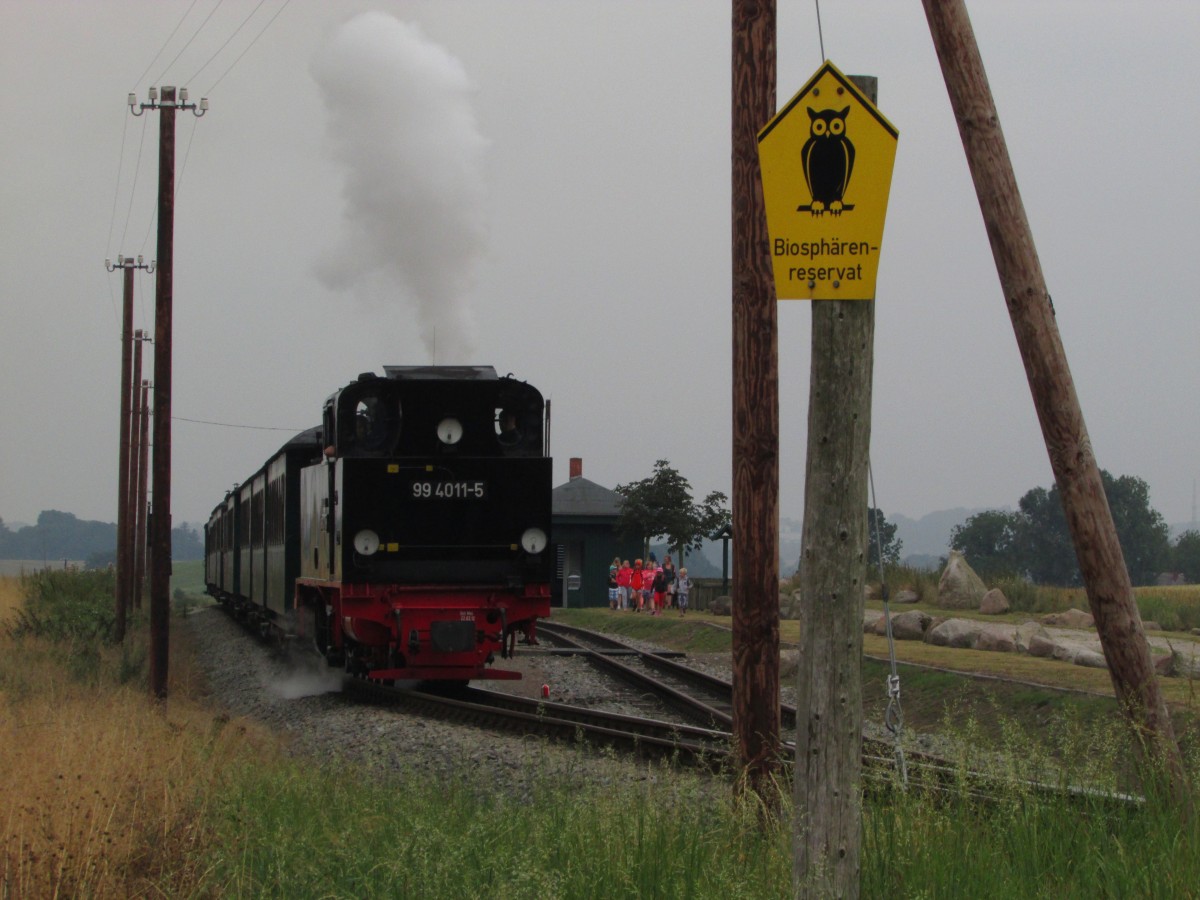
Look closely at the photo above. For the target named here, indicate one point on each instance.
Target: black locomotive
(407, 535)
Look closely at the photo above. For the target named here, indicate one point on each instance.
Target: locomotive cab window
(369, 422)
(508, 427)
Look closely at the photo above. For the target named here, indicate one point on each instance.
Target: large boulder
(1072, 618)
(721, 606)
(1041, 645)
(1026, 632)
(911, 625)
(1186, 660)
(959, 587)
(994, 603)
(960, 633)
(996, 640)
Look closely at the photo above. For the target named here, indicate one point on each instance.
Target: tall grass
(109, 795)
(322, 832)
(921, 844)
(104, 791)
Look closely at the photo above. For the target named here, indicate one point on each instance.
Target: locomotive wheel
(322, 638)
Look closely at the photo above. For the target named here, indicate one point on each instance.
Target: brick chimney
(576, 467)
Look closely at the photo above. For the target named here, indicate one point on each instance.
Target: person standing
(614, 592)
(683, 587)
(669, 572)
(624, 580)
(660, 590)
(636, 583)
(648, 577)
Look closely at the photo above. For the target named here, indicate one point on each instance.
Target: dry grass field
(10, 597)
(102, 788)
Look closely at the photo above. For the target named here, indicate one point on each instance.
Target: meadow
(108, 794)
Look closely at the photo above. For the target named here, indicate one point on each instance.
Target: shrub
(66, 606)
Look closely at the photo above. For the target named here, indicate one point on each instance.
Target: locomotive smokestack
(576, 467)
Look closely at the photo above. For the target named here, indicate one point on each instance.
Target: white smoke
(402, 125)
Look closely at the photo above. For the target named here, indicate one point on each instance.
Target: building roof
(581, 497)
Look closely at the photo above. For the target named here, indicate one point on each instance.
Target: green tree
(1145, 537)
(881, 534)
(1049, 555)
(186, 542)
(1185, 556)
(1045, 549)
(991, 542)
(661, 506)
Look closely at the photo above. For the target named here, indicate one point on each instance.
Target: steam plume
(402, 126)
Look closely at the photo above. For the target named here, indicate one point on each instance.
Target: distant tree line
(60, 535)
(1034, 542)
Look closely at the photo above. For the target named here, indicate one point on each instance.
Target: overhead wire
(227, 40)
(820, 33)
(893, 717)
(146, 314)
(247, 49)
(232, 425)
(178, 24)
(195, 35)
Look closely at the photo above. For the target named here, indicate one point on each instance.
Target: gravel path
(302, 700)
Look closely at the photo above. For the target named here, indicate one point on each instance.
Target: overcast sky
(543, 186)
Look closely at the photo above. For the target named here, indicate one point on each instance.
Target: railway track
(881, 762)
(687, 744)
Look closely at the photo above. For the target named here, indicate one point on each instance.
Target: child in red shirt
(636, 584)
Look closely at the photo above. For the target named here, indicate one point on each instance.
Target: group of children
(651, 586)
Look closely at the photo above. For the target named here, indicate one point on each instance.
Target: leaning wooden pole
(755, 413)
(1109, 591)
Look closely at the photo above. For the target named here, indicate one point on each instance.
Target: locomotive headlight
(366, 542)
(450, 431)
(533, 540)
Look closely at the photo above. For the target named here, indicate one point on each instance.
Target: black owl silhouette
(828, 158)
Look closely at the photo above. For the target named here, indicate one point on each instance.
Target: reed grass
(104, 790)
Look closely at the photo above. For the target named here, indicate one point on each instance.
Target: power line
(117, 193)
(232, 425)
(195, 35)
(164, 45)
(257, 7)
(133, 188)
(248, 46)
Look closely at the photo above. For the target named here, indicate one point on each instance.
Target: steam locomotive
(407, 536)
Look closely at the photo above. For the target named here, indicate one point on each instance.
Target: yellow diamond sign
(826, 161)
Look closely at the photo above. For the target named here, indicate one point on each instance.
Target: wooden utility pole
(139, 542)
(160, 536)
(123, 561)
(127, 265)
(755, 412)
(1101, 563)
(134, 514)
(833, 565)
(160, 524)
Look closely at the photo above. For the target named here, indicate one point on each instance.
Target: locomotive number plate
(426, 489)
